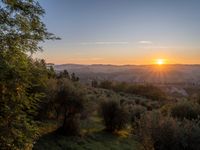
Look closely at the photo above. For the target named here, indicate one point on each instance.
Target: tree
(115, 117)
(69, 100)
(51, 72)
(21, 30)
(63, 74)
(74, 77)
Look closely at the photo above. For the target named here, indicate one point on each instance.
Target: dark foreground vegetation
(41, 110)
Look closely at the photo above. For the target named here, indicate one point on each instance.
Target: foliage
(136, 112)
(115, 117)
(95, 141)
(69, 99)
(120, 87)
(145, 90)
(48, 109)
(106, 84)
(166, 133)
(149, 91)
(166, 109)
(63, 74)
(74, 77)
(185, 110)
(21, 78)
(51, 72)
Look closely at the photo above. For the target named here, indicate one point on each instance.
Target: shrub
(136, 112)
(145, 90)
(189, 135)
(185, 110)
(154, 133)
(148, 91)
(166, 133)
(166, 109)
(120, 87)
(115, 117)
(106, 84)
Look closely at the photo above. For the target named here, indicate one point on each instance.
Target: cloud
(111, 43)
(146, 42)
(103, 43)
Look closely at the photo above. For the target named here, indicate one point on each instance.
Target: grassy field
(93, 136)
(97, 141)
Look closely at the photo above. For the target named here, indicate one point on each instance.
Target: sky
(122, 31)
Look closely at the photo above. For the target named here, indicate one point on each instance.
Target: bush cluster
(115, 117)
(185, 110)
(166, 133)
(146, 90)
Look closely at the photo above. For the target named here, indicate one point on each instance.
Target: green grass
(93, 136)
(96, 141)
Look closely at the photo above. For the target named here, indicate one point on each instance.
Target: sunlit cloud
(103, 43)
(145, 42)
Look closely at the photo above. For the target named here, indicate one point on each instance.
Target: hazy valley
(168, 74)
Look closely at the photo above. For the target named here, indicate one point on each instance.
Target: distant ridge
(170, 73)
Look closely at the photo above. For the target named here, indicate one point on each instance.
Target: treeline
(65, 74)
(145, 90)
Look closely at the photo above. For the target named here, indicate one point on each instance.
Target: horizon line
(107, 64)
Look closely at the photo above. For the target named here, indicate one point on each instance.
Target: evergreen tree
(51, 72)
(74, 78)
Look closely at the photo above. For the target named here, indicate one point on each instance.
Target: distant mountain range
(165, 74)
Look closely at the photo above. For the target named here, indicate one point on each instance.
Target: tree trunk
(70, 124)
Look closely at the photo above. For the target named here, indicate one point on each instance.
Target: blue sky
(122, 31)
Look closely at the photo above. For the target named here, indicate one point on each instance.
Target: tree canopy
(21, 77)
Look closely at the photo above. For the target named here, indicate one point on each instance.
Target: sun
(160, 61)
